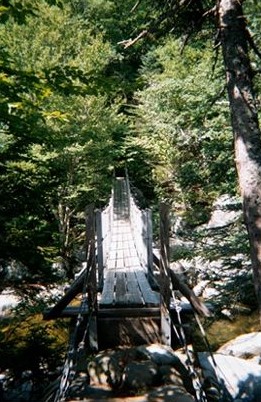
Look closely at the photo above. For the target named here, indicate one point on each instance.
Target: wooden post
(128, 190)
(149, 246)
(100, 251)
(164, 279)
(92, 280)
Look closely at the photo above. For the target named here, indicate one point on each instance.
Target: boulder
(226, 210)
(171, 369)
(159, 354)
(8, 300)
(239, 379)
(139, 368)
(140, 375)
(245, 346)
(106, 368)
(170, 393)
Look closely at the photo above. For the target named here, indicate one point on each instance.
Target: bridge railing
(141, 225)
(103, 237)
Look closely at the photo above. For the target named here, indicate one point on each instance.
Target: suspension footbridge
(118, 279)
(125, 293)
(124, 289)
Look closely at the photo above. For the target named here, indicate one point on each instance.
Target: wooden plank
(107, 296)
(164, 253)
(120, 260)
(133, 290)
(73, 291)
(121, 289)
(149, 247)
(129, 312)
(71, 311)
(111, 264)
(165, 324)
(150, 297)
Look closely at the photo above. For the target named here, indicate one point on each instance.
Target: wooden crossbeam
(70, 294)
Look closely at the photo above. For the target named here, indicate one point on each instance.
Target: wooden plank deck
(125, 279)
(126, 292)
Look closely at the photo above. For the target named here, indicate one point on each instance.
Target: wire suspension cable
(225, 396)
(69, 368)
(199, 391)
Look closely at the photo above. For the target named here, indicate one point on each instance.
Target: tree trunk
(247, 139)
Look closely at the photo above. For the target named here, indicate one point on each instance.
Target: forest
(169, 90)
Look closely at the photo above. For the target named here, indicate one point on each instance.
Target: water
(222, 331)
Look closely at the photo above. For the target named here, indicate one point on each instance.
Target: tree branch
(252, 43)
(130, 42)
(136, 5)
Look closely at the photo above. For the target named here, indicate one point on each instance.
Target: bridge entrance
(119, 304)
(122, 305)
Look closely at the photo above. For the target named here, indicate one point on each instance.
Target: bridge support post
(165, 286)
(99, 234)
(149, 247)
(91, 285)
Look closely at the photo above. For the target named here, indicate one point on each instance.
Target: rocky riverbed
(213, 260)
(152, 373)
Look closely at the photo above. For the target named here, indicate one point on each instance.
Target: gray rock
(226, 210)
(139, 368)
(159, 354)
(106, 368)
(241, 379)
(140, 375)
(170, 393)
(210, 293)
(200, 287)
(8, 300)
(245, 346)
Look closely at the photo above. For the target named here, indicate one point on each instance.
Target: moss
(29, 343)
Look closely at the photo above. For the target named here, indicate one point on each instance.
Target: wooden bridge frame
(151, 308)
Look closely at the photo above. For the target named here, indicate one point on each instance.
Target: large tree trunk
(247, 138)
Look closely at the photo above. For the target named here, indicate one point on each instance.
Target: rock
(226, 210)
(210, 293)
(170, 393)
(8, 300)
(170, 375)
(159, 354)
(140, 375)
(170, 368)
(227, 313)
(241, 379)
(245, 346)
(106, 368)
(139, 368)
(200, 287)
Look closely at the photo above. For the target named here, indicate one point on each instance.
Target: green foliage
(28, 343)
(68, 117)
(183, 122)
(58, 130)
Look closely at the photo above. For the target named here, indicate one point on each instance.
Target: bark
(247, 138)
